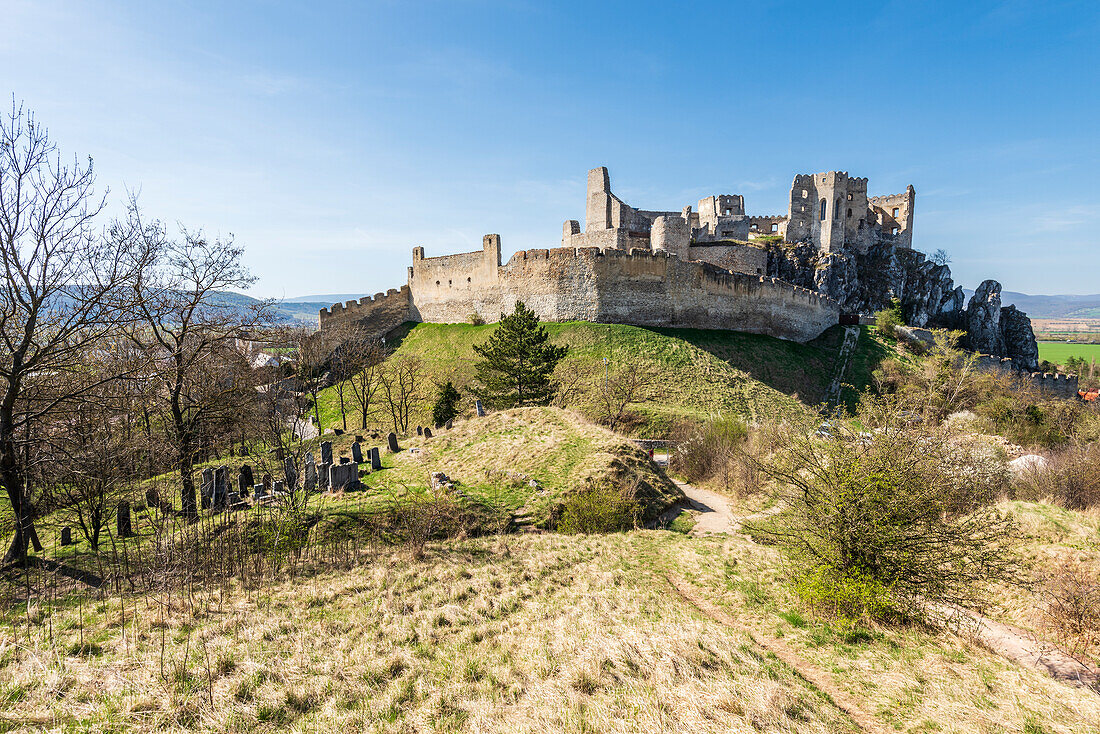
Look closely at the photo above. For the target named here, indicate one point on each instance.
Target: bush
(1071, 477)
(600, 508)
(1070, 594)
(476, 319)
(884, 519)
(888, 319)
(710, 450)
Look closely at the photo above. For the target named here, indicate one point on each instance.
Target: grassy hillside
(494, 459)
(531, 633)
(700, 372)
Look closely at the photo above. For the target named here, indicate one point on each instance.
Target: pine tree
(446, 405)
(517, 362)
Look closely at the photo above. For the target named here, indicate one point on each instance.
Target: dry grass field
(527, 633)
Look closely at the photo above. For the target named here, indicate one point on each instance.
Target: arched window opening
(849, 214)
(823, 205)
(775, 227)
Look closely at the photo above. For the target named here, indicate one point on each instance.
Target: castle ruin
(830, 210)
(693, 268)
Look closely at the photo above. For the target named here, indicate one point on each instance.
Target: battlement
(636, 286)
(1057, 383)
(377, 315)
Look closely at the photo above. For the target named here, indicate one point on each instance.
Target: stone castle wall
(1065, 386)
(377, 315)
(636, 287)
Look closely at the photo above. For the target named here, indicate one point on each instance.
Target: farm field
(1059, 352)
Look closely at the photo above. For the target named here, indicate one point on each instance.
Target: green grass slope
(699, 372)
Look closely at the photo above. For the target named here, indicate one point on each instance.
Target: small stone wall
(1056, 383)
(378, 314)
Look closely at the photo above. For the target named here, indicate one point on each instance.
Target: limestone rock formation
(1019, 338)
(1004, 331)
(983, 319)
(866, 281)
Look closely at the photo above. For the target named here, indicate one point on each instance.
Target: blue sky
(331, 137)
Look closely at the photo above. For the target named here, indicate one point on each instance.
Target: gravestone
(479, 408)
(420, 430)
(447, 425)
(221, 487)
(122, 520)
(358, 439)
(311, 474)
(326, 452)
(66, 535)
(322, 474)
(280, 487)
(243, 483)
(258, 491)
(246, 472)
(291, 474)
(391, 442)
(357, 453)
(206, 492)
(375, 459)
(343, 476)
(427, 433)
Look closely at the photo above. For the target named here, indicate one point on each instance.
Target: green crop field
(1059, 352)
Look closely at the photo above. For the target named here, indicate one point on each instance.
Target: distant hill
(326, 298)
(299, 310)
(1051, 307)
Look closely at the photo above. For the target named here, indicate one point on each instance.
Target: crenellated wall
(637, 287)
(377, 315)
(1056, 383)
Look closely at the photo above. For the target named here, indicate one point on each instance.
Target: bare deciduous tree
(628, 382)
(402, 386)
(191, 331)
(59, 294)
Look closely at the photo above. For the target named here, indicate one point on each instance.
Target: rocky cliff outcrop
(865, 282)
(1001, 330)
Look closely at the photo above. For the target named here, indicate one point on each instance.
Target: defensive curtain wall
(639, 287)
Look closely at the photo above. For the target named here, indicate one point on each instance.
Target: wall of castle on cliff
(736, 256)
(377, 315)
(1065, 386)
(615, 286)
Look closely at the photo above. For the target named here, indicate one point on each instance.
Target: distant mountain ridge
(1065, 306)
(297, 310)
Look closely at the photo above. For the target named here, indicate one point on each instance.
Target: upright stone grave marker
(66, 535)
(122, 520)
(375, 459)
(420, 430)
(326, 452)
(207, 490)
(291, 474)
(311, 474)
(479, 408)
(427, 433)
(391, 442)
(243, 484)
(343, 476)
(357, 453)
(246, 472)
(448, 424)
(267, 481)
(221, 487)
(322, 474)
